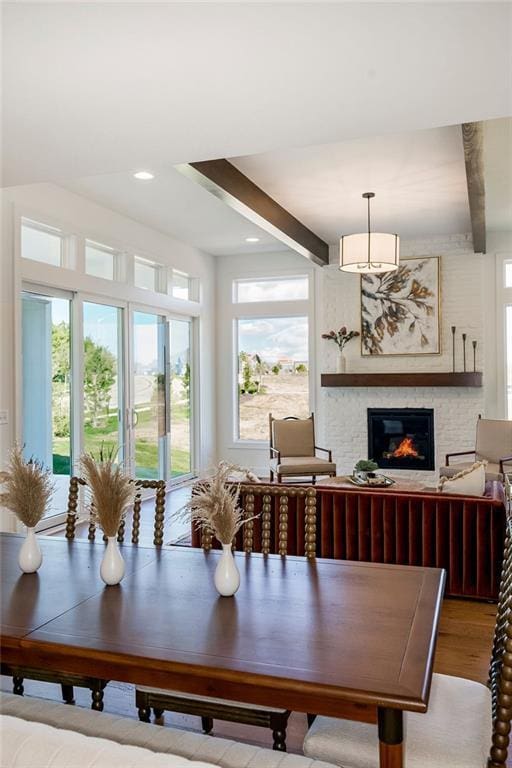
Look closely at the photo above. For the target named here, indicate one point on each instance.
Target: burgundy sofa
(462, 534)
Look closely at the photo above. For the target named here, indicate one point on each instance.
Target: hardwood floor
(463, 649)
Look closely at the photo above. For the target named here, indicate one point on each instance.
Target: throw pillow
(469, 482)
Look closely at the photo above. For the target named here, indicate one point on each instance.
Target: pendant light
(369, 252)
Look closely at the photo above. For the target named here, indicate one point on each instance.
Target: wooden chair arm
(325, 450)
(459, 453)
(505, 460)
(275, 454)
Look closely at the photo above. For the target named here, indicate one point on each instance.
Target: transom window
(100, 260)
(293, 288)
(180, 285)
(146, 274)
(40, 242)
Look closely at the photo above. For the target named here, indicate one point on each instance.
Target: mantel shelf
(401, 379)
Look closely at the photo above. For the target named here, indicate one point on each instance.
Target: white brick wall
(342, 415)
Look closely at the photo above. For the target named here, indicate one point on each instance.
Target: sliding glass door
(47, 410)
(149, 428)
(99, 377)
(180, 418)
(103, 390)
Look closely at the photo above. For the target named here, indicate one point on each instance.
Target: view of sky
(272, 289)
(274, 338)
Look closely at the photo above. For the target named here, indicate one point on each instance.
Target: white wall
(53, 204)
(465, 278)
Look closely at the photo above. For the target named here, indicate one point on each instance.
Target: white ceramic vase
(227, 576)
(112, 566)
(30, 556)
(341, 363)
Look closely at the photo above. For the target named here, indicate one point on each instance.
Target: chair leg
(145, 714)
(311, 719)
(278, 724)
(97, 698)
(278, 478)
(17, 685)
(207, 724)
(313, 480)
(68, 694)
(158, 713)
(271, 476)
(279, 740)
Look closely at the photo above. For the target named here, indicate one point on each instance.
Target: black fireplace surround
(401, 438)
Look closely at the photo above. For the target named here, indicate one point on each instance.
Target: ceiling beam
(221, 178)
(473, 140)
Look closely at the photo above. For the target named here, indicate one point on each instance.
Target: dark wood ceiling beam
(221, 178)
(473, 140)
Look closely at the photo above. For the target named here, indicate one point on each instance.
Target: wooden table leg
(391, 738)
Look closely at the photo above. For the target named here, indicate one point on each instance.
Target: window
(100, 260)
(180, 285)
(508, 274)
(293, 288)
(272, 372)
(146, 274)
(40, 242)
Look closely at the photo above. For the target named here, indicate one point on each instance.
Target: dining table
(328, 637)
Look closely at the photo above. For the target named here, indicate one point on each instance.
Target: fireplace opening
(401, 438)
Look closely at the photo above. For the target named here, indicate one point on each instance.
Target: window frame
(117, 255)
(504, 300)
(50, 229)
(270, 279)
(160, 284)
(232, 311)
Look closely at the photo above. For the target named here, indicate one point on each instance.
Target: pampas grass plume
(111, 491)
(28, 488)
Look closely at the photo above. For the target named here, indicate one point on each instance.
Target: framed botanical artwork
(400, 311)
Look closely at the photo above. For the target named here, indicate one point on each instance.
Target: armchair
(293, 450)
(493, 443)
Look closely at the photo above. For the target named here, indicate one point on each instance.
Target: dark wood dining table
(330, 637)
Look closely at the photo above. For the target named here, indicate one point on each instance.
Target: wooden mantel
(401, 379)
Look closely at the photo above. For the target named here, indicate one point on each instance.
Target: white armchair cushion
(454, 733)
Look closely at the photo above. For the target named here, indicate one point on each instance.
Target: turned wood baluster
(206, 540)
(121, 531)
(91, 535)
(503, 716)
(266, 508)
(310, 524)
(249, 525)
(283, 524)
(72, 508)
(136, 518)
(159, 514)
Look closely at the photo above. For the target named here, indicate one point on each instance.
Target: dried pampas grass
(214, 504)
(28, 488)
(111, 491)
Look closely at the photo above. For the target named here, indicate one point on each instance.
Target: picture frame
(401, 310)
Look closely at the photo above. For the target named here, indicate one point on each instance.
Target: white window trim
(504, 299)
(267, 278)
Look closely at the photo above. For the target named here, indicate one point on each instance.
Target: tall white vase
(112, 566)
(30, 556)
(341, 363)
(227, 576)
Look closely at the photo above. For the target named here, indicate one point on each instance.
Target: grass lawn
(146, 450)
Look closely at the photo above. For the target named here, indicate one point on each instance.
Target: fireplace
(401, 438)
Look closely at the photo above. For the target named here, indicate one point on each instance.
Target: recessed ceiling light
(144, 175)
(252, 239)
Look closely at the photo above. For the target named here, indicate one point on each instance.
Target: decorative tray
(379, 481)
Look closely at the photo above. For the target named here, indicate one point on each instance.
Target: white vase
(112, 566)
(30, 556)
(227, 576)
(341, 363)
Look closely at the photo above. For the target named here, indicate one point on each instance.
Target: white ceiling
(101, 88)
(179, 207)
(419, 180)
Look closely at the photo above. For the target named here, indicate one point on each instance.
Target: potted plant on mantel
(341, 338)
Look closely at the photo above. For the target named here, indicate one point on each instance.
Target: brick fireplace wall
(342, 413)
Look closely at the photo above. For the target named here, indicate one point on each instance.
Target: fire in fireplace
(401, 438)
